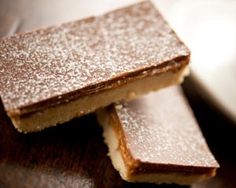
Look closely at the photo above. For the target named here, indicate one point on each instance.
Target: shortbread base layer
(64, 112)
(111, 139)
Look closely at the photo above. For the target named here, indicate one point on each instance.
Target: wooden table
(73, 154)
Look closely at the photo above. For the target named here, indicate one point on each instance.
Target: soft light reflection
(213, 43)
(208, 27)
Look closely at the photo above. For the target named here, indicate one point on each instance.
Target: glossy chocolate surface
(160, 131)
(61, 63)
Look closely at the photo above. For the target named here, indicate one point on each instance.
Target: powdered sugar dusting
(55, 61)
(160, 128)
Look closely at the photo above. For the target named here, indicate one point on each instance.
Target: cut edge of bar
(65, 112)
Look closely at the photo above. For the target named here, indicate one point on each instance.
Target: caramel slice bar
(52, 75)
(156, 139)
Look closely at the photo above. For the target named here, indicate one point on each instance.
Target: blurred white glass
(208, 27)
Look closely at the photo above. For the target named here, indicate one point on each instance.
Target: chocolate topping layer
(50, 66)
(158, 131)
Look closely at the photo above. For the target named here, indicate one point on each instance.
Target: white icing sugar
(160, 128)
(51, 62)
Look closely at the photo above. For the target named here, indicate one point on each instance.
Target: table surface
(73, 154)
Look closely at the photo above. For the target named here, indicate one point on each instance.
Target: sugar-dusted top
(52, 62)
(160, 128)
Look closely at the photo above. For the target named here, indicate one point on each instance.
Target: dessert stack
(106, 64)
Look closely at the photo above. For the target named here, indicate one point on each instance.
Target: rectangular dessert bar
(156, 139)
(52, 75)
